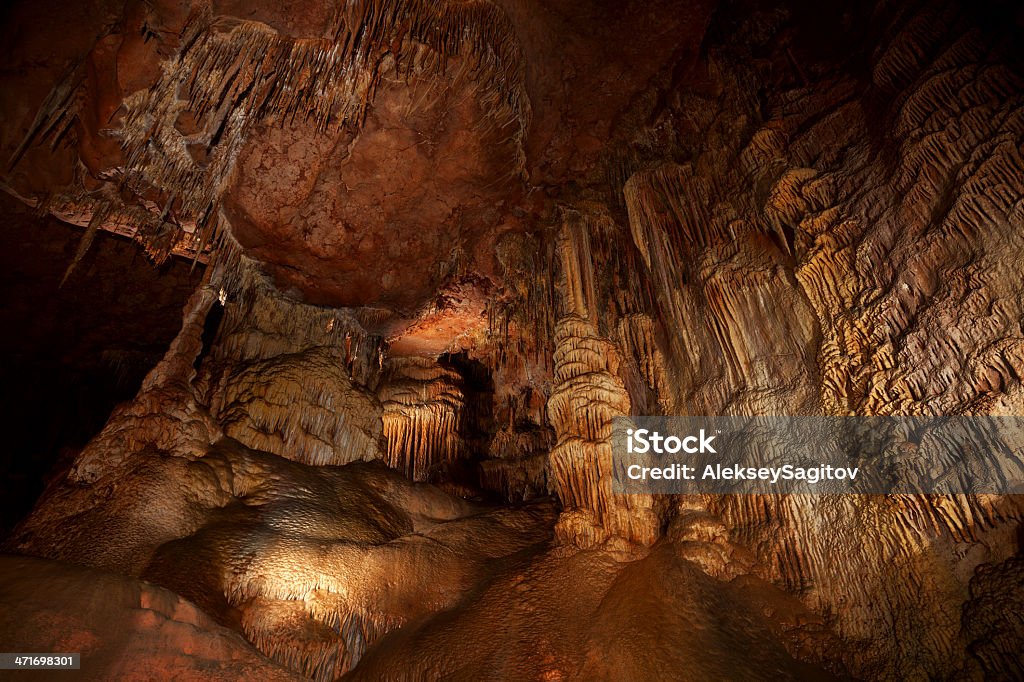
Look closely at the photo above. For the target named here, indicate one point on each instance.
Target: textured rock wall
(287, 378)
(829, 241)
(587, 394)
(272, 405)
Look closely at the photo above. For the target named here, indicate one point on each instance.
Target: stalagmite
(587, 394)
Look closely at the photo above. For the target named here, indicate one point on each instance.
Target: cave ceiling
(369, 155)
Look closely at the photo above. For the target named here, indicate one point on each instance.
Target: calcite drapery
(423, 407)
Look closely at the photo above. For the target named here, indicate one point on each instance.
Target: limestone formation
(442, 246)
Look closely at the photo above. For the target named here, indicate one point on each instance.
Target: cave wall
(823, 243)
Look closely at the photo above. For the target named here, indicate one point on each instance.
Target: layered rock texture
(437, 247)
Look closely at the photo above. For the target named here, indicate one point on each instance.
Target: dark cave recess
(71, 353)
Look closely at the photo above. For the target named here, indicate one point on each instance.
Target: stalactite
(423, 405)
(85, 242)
(56, 113)
(78, 207)
(229, 80)
(521, 319)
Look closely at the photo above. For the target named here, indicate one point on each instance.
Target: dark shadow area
(211, 327)
(71, 353)
(478, 387)
(477, 426)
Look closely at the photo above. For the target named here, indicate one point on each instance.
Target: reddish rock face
(376, 217)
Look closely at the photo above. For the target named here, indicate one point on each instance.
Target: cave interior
(317, 316)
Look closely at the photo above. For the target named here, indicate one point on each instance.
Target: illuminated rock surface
(125, 629)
